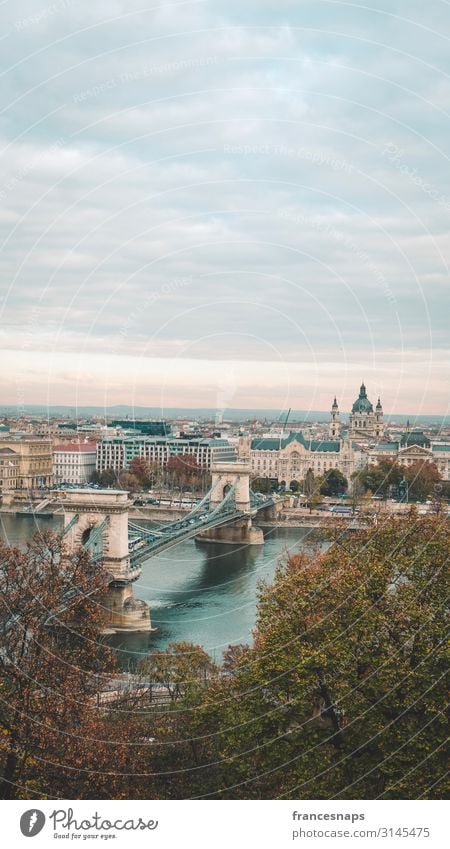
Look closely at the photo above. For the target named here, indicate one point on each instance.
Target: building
(116, 452)
(364, 421)
(74, 462)
(161, 428)
(413, 447)
(335, 423)
(288, 460)
(9, 470)
(35, 469)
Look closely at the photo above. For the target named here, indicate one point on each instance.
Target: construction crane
(284, 425)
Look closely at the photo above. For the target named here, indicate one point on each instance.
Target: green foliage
(333, 483)
(422, 478)
(108, 478)
(261, 484)
(183, 668)
(343, 693)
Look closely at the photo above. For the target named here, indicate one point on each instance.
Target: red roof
(76, 447)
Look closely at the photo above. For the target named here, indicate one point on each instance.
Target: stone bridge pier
(98, 520)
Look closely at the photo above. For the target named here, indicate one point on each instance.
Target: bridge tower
(98, 520)
(233, 476)
(228, 475)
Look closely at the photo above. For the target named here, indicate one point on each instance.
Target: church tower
(379, 425)
(335, 424)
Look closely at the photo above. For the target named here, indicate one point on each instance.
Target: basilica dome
(362, 403)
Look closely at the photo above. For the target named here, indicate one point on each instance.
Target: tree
(261, 484)
(343, 693)
(358, 489)
(108, 478)
(311, 488)
(309, 484)
(422, 478)
(380, 477)
(128, 481)
(182, 668)
(147, 474)
(183, 470)
(333, 483)
(57, 737)
(49, 659)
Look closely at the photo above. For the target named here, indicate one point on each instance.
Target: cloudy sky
(225, 204)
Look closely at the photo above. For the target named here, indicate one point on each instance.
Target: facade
(118, 452)
(9, 470)
(74, 463)
(414, 446)
(290, 459)
(35, 469)
(365, 421)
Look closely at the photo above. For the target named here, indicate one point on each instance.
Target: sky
(225, 204)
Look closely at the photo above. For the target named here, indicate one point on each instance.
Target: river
(199, 592)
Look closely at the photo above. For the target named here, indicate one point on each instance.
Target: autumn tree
(182, 668)
(183, 470)
(181, 738)
(422, 478)
(147, 474)
(343, 693)
(56, 739)
(128, 481)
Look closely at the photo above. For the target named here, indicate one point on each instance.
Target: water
(17, 530)
(198, 592)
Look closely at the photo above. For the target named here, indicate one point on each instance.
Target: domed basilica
(364, 421)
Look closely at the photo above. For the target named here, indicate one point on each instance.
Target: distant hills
(123, 411)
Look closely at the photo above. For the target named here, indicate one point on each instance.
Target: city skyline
(204, 205)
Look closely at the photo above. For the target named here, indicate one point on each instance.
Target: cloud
(291, 164)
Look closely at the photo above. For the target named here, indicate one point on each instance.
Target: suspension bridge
(145, 542)
(98, 521)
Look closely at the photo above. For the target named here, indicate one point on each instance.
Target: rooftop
(76, 447)
(269, 444)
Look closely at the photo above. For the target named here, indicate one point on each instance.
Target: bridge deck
(164, 539)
